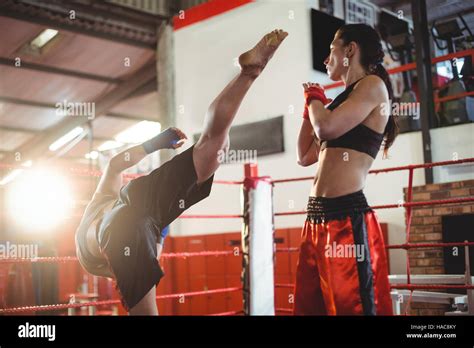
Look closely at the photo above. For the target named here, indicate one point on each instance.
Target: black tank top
(360, 138)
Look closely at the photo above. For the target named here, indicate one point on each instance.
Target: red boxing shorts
(342, 266)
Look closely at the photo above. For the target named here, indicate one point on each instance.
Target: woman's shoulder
(370, 81)
(372, 85)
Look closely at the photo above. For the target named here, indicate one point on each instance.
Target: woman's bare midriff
(340, 172)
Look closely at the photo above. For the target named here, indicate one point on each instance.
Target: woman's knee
(211, 146)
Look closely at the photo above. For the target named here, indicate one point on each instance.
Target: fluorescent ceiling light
(43, 38)
(15, 173)
(66, 138)
(11, 176)
(109, 145)
(139, 132)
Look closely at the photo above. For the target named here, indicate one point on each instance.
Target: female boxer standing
(342, 266)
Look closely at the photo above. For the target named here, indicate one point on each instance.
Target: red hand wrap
(315, 93)
(306, 112)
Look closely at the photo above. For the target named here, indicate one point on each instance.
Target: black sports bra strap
(343, 96)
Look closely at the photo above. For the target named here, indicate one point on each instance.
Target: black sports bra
(360, 138)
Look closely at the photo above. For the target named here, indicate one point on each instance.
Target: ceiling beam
(36, 131)
(58, 71)
(26, 102)
(37, 146)
(150, 87)
(18, 130)
(113, 11)
(36, 104)
(104, 21)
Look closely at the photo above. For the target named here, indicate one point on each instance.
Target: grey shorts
(128, 234)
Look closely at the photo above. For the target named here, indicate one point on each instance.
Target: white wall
(452, 143)
(205, 62)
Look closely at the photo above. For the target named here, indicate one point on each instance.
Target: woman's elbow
(303, 162)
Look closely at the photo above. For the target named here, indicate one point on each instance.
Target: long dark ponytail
(371, 59)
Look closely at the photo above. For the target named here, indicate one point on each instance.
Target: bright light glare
(66, 138)
(42, 39)
(446, 69)
(39, 200)
(459, 65)
(92, 155)
(139, 132)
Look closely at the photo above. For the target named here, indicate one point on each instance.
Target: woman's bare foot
(254, 61)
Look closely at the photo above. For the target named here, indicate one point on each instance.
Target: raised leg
(147, 305)
(221, 112)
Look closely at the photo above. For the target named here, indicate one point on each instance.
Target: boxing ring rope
(400, 205)
(386, 170)
(453, 97)
(427, 245)
(114, 302)
(412, 66)
(205, 216)
(53, 259)
(62, 259)
(98, 173)
(431, 286)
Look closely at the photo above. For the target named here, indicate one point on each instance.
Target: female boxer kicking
(120, 233)
(342, 266)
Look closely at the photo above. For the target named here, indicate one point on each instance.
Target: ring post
(258, 244)
(468, 278)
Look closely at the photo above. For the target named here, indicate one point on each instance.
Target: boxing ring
(258, 286)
